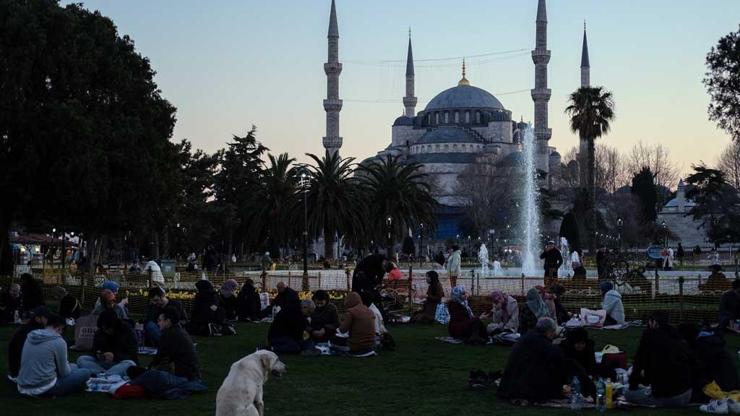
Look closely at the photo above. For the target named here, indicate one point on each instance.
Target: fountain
(483, 259)
(565, 269)
(530, 215)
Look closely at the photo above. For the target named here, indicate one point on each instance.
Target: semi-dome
(447, 134)
(464, 96)
(403, 121)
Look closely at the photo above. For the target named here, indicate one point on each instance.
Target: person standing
(454, 265)
(668, 259)
(154, 272)
(602, 256)
(553, 261)
(680, 254)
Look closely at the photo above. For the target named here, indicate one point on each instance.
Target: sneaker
(717, 407)
(733, 406)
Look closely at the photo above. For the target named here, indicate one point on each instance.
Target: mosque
(461, 126)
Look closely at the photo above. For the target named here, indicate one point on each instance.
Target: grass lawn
(422, 376)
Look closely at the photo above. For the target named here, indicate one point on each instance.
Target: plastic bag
(442, 315)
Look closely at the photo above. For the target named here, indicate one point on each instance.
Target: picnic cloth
(105, 384)
(449, 340)
(147, 351)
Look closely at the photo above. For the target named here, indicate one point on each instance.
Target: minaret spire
(332, 105)
(540, 93)
(409, 101)
(463, 80)
(585, 66)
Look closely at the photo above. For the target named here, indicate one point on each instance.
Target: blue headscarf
(458, 296)
(536, 304)
(110, 285)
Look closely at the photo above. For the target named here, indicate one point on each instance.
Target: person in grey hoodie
(44, 367)
(612, 304)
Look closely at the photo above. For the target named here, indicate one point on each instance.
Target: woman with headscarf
(227, 298)
(557, 292)
(535, 309)
(504, 314)
(286, 331)
(464, 325)
(207, 317)
(248, 304)
(612, 304)
(435, 293)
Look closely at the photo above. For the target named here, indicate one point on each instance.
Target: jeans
(96, 366)
(153, 333)
(73, 383)
(644, 397)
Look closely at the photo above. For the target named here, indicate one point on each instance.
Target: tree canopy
(723, 84)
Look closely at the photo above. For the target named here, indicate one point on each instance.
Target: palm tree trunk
(328, 244)
(592, 192)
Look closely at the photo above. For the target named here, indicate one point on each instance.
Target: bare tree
(572, 154)
(611, 173)
(483, 194)
(729, 163)
(657, 159)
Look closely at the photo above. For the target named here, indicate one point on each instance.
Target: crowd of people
(671, 368)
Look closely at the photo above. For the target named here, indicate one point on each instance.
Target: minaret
(540, 93)
(585, 66)
(409, 101)
(332, 104)
(585, 82)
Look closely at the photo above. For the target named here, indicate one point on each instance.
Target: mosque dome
(403, 121)
(464, 96)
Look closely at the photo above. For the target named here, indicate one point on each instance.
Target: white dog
(241, 392)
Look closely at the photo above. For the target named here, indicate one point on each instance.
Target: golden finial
(463, 81)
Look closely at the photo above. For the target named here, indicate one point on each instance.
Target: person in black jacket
(286, 331)
(579, 348)
(10, 303)
(114, 346)
(662, 362)
(710, 361)
(207, 317)
(558, 291)
(39, 318)
(537, 371)
(324, 319)
(248, 304)
(176, 353)
(553, 260)
(32, 295)
(227, 298)
(729, 305)
(366, 278)
(157, 302)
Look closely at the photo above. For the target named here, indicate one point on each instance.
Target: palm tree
(334, 199)
(400, 197)
(275, 203)
(591, 110)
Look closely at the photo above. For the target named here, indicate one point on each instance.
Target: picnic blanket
(449, 340)
(147, 351)
(105, 384)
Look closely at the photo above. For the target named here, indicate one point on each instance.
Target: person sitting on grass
(537, 371)
(107, 301)
(716, 280)
(227, 298)
(463, 324)
(32, 295)
(579, 348)
(504, 314)
(157, 302)
(38, 320)
(324, 319)
(69, 306)
(557, 292)
(435, 293)
(661, 369)
(612, 304)
(534, 309)
(711, 362)
(207, 317)
(248, 304)
(286, 330)
(729, 305)
(176, 352)
(114, 345)
(10, 303)
(359, 322)
(44, 368)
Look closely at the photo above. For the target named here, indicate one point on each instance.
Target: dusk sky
(227, 65)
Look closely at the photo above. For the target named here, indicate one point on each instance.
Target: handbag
(85, 328)
(592, 318)
(613, 358)
(442, 315)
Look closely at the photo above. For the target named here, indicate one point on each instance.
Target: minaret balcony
(333, 68)
(541, 56)
(541, 94)
(332, 105)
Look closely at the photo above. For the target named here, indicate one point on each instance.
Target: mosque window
(457, 116)
(436, 118)
(447, 117)
(477, 117)
(467, 116)
(447, 147)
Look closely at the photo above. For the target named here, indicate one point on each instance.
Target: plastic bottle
(609, 394)
(600, 396)
(576, 402)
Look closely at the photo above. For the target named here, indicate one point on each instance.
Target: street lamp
(421, 244)
(304, 190)
(620, 225)
(663, 228)
(389, 224)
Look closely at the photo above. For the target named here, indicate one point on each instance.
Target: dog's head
(271, 364)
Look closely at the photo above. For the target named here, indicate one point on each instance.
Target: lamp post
(304, 190)
(389, 241)
(620, 225)
(664, 228)
(421, 244)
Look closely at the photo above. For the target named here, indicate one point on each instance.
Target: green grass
(422, 376)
